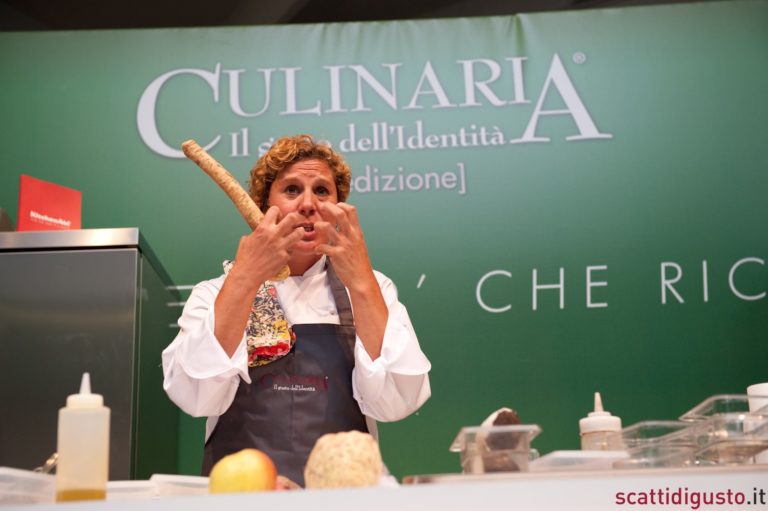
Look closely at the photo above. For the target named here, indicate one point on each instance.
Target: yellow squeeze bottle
(83, 446)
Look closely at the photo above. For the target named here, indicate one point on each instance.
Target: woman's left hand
(344, 243)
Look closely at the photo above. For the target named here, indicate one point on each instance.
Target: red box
(45, 206)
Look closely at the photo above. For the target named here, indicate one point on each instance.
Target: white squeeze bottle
(600, 431)
(83, 446)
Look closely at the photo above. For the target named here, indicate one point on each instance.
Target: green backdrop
(568, 202)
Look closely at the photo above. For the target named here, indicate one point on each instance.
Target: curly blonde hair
(288, 150)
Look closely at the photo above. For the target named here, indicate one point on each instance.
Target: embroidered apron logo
(294, 382)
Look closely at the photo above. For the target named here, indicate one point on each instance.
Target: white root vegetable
(226, 181)
(342, 460)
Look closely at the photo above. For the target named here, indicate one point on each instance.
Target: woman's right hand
(260, 255)
(264, 252)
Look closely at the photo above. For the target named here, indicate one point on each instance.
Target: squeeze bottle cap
(85, 399)
(599, 420)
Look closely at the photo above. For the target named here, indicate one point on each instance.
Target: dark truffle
(500, 461)
(508, 440)
(506, 418)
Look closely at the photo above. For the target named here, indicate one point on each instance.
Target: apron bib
(294, 400)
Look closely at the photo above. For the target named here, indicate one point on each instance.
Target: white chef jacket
(202, 380)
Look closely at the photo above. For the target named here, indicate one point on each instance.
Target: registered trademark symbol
(579, 57)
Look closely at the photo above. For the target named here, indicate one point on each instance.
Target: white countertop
(541, 491)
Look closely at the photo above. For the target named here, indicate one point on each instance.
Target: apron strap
(339, 292)
(344, 309)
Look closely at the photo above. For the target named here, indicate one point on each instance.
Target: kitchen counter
(89, 300)
(540, 491)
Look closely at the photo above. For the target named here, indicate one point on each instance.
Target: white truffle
(346, 459)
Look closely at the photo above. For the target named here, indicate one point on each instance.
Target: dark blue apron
(296, 399)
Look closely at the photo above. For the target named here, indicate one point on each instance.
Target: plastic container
(658, 455)
(568, 461)
(600, 431)
(732, 438)
(726, 432)
(733, 452)
(717, 405)
(660, 444)
(757, 395)
(647, 433)
(131, 490)
(26, 487)
(487, 449)
(169, 485)
(83, 446)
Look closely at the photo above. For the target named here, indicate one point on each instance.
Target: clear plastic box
(169, 485)
(658, 455)
(732, 438)
(563, 461)
(733, 452)
(487, 449)
(647, 433)
(131, 490)
(726, 431)
(717, 405)
(654, 444)
(26, 487)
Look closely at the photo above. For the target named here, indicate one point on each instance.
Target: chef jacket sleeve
(198, 375)
(396, 384)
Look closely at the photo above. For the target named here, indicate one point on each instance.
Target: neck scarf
(268, 335)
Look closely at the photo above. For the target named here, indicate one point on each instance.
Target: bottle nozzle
(85, 384)
(598, 411)
(85, 399)
(598, 399)
(599, 419)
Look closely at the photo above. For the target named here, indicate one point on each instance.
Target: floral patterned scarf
(268, 335)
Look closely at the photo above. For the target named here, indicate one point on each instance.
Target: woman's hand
(260, 255)
(345, 246)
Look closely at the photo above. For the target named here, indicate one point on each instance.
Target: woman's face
(300, 187)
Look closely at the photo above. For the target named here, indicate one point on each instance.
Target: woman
(350, 356)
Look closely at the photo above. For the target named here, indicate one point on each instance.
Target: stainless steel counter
(92, 300)
(81, 238)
